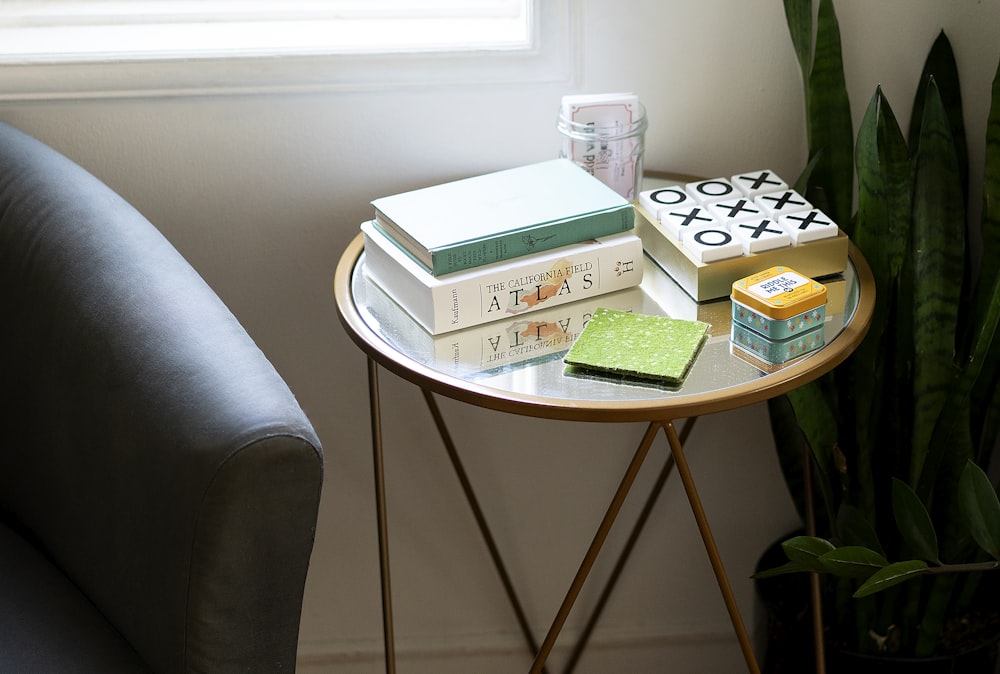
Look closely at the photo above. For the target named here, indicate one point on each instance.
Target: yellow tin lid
(779, 292)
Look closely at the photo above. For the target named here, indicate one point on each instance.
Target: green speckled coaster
(652, 347)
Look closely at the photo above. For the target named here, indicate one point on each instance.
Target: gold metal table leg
(713, 552)
(542, 652)
(383, 529)
(484, 529)
(626, 552)
(595, 547)
(814, 588)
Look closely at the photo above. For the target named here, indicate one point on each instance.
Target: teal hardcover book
(503, 215)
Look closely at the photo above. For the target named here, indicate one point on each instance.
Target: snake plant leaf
(914, 522)
(799, 17)
(829, 119)
(981, 508)
(816, 415)
(853, 561)
(958, 432)
(807, 551)
(854, 529)
(940, 65)
(986, 395)
(802, 182)
(991, 193)
(791, 448)
(884, 192)
(954, 436)
(940, 592)
(881, 232)
(894, 574)
(938, 265)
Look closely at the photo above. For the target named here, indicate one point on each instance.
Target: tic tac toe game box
(708, 234)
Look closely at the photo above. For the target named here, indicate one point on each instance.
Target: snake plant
(901, 434)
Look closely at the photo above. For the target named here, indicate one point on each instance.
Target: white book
(502, 289)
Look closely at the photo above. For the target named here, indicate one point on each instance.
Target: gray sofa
(159, 483)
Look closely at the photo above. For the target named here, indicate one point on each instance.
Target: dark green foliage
(901, 432)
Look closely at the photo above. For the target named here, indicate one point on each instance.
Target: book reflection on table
(515, 342)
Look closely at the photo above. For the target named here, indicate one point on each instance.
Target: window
(68, 31)
(106, 48)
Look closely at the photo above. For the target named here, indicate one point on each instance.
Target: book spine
(547, 236)
(505, 289)
(585, 270)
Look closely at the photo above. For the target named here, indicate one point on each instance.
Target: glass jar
(607, 139)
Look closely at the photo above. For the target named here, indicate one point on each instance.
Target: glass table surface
(516, 365)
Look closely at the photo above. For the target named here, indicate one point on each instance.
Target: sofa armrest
(150, 449)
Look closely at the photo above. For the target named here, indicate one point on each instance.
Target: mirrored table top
(516, 365)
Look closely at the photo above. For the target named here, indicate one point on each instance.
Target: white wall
(262, 193)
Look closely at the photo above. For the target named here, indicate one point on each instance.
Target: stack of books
(494, 246)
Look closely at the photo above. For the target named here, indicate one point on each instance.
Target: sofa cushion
(47, 624)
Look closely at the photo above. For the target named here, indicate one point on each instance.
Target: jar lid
(779, 292)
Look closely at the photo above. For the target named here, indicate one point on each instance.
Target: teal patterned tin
(778, 328)
(777, 350)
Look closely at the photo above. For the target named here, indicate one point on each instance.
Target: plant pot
(788, 640)
(979, 659)
(972, 645)
(789, 649)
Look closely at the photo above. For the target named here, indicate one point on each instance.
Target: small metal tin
(778, 329)
(777, 351)
(778, 314)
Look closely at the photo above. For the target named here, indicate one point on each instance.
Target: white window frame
(256, 65)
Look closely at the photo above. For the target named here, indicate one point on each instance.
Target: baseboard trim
(424, 652)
